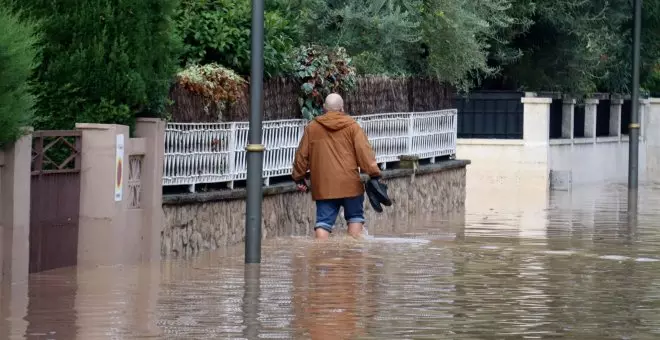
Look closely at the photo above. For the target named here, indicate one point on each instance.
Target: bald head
(334, 103)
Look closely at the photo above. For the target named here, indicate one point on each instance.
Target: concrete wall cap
(148, 120)
(287, 187)
(535, 100)
(592, 101)
(93, 126)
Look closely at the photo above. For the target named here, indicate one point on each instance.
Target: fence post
(615, 116)
(231, 148)
(590, 114)
(568, 118)
(644, 105)
(653, 140)
(536, 140)
(102, 226)
(455, 130)
(153, 130)
(410, 133)
(266, 132)
(15, 177)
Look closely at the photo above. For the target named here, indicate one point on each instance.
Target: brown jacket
(332, 148)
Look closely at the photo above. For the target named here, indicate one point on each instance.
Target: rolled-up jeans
(327, 211)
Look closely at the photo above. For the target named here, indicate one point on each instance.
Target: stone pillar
(568, 118)
(653, 140)
(590, 114)
(615, 117)
(644, 105)
(15, 177)
(153, 130)
(536, 127)
(102, 219)
(536, 132)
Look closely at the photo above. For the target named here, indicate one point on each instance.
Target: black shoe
(373, 200)
(379, 190)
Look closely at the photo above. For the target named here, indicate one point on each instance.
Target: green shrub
(217, 84)
(218, 31)
(322, 71)
(17, 59)
(103, 61)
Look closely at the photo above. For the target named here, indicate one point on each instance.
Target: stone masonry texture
(197, 224)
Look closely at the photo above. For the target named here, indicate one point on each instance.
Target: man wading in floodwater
(334, 148)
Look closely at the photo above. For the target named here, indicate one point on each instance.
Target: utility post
(633, 153)
(255, 150)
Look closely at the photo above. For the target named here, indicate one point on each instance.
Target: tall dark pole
(252, 280)
(633, 153)
(255, 149)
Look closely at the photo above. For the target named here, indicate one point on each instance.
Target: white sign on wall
(119, 167)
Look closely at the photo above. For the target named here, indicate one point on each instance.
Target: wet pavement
(519, 267)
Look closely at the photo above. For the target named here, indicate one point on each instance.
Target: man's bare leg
(355, 229)
(321, 234)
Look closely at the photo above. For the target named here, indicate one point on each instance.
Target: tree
(103, 61)
(459, 33)
(18, 53)
(579, 46)
(379, 34)
(650, 49)
(445, 39)
(566, 48)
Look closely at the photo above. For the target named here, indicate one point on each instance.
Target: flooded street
(569, 267)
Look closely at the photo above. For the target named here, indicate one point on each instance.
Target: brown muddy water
(569, 267)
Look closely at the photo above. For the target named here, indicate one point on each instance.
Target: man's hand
(302, 185)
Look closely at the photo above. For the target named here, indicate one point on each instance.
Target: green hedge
(104, 61)
(218, 31)
(17, 56)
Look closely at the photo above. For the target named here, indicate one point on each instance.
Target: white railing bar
(192, 150)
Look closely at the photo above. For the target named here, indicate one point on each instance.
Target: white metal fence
(215, 152)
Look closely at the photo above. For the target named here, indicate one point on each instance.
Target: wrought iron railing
(198, 153)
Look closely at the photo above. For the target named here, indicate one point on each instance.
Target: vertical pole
(251, 296)
(633, 153)
(254, 148)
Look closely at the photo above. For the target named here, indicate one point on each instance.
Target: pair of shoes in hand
(377, 194)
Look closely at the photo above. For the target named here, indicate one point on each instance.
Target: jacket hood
(335, 121)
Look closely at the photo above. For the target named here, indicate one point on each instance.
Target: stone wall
(195, 222)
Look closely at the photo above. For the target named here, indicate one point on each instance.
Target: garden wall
(201, 221)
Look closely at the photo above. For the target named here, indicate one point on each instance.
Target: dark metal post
(252, 277)
(633, 153)
(255, 149)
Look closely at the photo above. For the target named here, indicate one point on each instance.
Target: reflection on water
(568, 267)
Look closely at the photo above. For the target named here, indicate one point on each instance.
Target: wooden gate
(55, 199)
